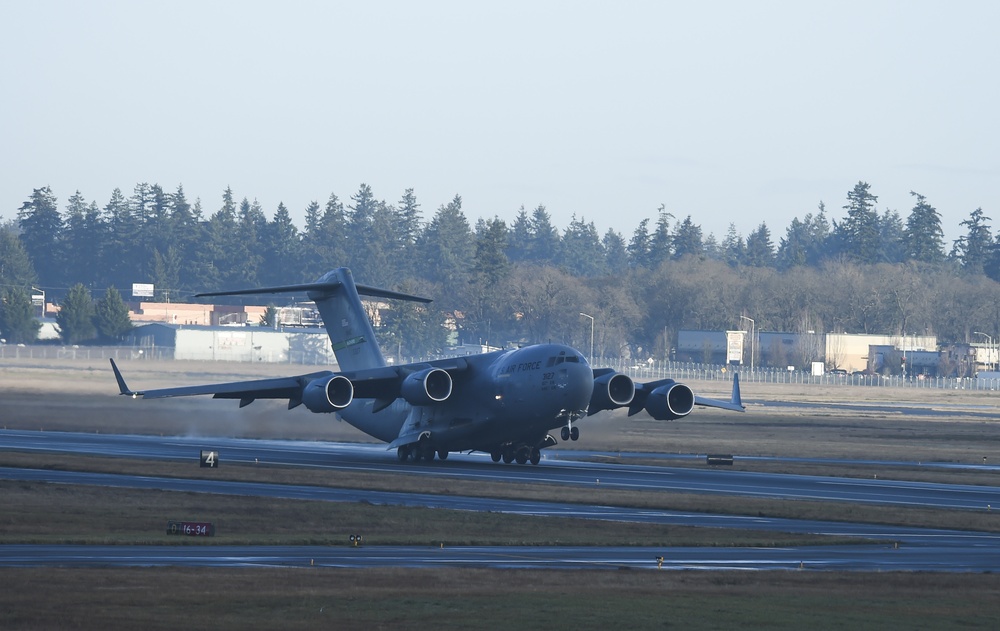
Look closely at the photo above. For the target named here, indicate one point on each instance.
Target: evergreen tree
(760, 250)
(166, 274)
(520, 237)
(413, 329)
(119, 254)
(188, 233)
(269, 318)
(41, 228)
(661, 241)
(544, 241)
(488, 286)
(687, 239)
(859, 232)
(581, 252)
(638, 247)
(792, 248)
(280, 250)
(360, 218)
(923, 237)
(615, 253)
(733, 247)
(892, 237)
(219, 256)
(82, 240)
(447, 246)
(111, 317)
(818, 246)
(249, 246)
(16, 270)
(140, 240)
(18, 324)
(325, 246)
(974, 250)
(407, 227)
(711, 248)
(76, 316)
(385, 252)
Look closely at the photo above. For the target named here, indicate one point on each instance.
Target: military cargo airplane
(503, 403)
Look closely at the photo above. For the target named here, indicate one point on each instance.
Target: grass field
(53, 396)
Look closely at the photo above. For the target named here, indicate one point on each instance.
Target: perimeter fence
(639, 371)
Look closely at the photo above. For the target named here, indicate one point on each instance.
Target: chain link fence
(638, 371)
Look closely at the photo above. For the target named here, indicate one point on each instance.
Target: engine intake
(611, 391)
(670, 401)
(426, 387)
(328, 394)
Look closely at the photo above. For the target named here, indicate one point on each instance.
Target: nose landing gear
(570, 432)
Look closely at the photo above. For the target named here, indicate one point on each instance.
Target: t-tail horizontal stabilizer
(337, 298)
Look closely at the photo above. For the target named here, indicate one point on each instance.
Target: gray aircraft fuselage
(504, 396)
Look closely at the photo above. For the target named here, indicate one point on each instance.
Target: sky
(735, 113)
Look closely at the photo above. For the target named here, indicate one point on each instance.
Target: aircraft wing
(734, 404)
(384, 384)
(246, 391)
(664, 399)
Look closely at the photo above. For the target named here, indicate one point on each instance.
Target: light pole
(591, 336)
(989, 341)
(753, 329)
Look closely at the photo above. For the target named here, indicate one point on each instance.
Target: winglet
(122, 386)
(736, 391)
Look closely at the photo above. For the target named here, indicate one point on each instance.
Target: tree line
(529, 281)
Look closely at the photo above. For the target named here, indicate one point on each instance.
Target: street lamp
(591, 336)
(989, 341)
(753, 329)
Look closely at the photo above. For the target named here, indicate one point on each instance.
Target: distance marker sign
(209, 459)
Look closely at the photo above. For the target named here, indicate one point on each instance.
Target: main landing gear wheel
(442, 454)
(495, 456)
(536, 455)
(403, 453)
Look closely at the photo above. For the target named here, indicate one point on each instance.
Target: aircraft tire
(536, 456)
(495, 456)
(575, 434)
(403, 453)
(427, 452)
(508, 456)
(565, 434)
(442, 454)
(522, 456)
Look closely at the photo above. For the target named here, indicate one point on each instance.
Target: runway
(881, 558)
(557, 467)
(919, 549)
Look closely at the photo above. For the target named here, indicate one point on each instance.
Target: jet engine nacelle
(328, 394)
(611, 391)
(670, 401)
(426, 387)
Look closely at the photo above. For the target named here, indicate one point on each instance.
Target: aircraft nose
(581, 385)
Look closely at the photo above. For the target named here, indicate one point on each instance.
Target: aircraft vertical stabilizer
(339, 303)
(346, 322)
